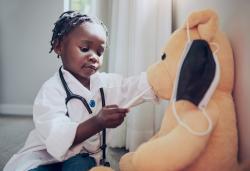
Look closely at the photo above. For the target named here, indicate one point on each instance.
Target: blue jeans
(80, 162)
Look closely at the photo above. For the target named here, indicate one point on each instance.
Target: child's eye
(99, 53)
(85, 49)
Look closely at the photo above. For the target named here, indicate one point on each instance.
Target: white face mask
(196, 79)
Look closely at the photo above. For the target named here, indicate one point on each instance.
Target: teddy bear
(198, 131)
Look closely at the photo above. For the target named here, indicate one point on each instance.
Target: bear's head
(196, 54)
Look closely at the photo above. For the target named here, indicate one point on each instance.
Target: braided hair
(67, 22)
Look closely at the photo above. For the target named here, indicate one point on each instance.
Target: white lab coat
(51, 139)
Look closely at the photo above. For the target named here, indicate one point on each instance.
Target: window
(80, 5)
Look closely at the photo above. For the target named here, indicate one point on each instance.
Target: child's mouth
(91, 67)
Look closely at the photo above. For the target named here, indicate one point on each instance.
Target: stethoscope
(70, 96)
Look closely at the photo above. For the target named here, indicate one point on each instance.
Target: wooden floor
(14, 131)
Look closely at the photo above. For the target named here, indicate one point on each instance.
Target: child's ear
(57, 47)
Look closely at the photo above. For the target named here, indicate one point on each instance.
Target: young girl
(73, 108)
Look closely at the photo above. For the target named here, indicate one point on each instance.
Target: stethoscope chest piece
(92, 103)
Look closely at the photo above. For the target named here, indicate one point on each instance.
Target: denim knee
(82, 162)
(49, 167)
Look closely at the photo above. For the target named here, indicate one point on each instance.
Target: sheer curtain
(139, 29)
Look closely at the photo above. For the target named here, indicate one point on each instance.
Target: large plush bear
(198, 131)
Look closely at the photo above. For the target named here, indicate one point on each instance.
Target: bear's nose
(163, 56)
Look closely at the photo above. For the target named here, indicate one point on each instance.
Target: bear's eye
(163, 56)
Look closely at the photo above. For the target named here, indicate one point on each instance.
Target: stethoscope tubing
(70, 96)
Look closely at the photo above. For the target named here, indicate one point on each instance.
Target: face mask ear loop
(188, 32)
(183, 124)
(217, 47)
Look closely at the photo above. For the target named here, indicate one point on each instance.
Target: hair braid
(69, 20)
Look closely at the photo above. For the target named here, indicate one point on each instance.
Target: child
(69, 111)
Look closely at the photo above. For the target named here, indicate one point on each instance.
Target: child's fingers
(117, 116)
(113, 110)
(122, 110)
(113, 120)
(116, 108)
(119, 110)
(111, 106)
(118, 122)
(118, 119)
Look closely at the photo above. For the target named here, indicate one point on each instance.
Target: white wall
(234, 20)
(25, 32)
(224, 8)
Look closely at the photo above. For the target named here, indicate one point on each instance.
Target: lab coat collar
(76, 86)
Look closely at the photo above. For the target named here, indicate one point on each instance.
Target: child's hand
(111, 116)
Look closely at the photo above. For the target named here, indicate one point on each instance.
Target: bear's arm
(179, 148)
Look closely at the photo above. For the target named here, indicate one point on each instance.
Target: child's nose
(93, 57)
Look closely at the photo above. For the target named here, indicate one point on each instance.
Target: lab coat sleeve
(125, 89)
(56, 130)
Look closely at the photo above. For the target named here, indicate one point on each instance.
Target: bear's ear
(206, 22)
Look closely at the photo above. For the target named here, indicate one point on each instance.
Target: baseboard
(15, 109)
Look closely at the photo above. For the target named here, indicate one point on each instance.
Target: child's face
(82, 49)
